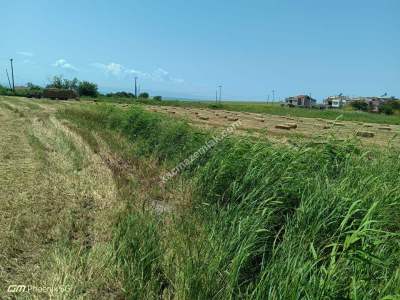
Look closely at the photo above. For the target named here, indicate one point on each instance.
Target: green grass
(265, 221)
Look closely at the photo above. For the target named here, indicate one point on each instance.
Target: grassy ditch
(262, 221)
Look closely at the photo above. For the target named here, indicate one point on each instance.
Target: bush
(144, 95)
(34, 93)
(360, 105)
(215, 106)
(387, 109)
(157, 98)
(86, 88)
(4, 90)
(121, 95)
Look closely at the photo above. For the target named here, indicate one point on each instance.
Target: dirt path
(57, 200)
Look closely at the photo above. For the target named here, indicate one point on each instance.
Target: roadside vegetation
(253, 219)
(249, 219)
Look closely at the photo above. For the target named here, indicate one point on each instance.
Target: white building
(336, 101)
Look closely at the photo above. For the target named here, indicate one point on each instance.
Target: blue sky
(186, 48)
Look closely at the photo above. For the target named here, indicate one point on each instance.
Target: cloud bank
(119, 70)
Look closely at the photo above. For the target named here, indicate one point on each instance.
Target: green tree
(59, 82)
(32, 86)
(86, 88)
(144, 95)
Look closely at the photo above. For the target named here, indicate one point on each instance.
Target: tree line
(82, 88)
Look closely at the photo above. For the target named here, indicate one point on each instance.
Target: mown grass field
(248, 219)
(346, 114)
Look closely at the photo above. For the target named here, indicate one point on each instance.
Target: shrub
(34, 93)
(360, 105)
(215, 106)
(157, 98)
(387, 109)
(4, 90)
(121, 95)
(87, 88)
(144, 95)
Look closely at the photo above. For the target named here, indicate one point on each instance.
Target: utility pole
(12, 75)
(267, 98)
(216, 96)
(136, 87)
(273, 95)
(220, 93)
(8, 77)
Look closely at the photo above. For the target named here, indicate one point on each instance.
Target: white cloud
(111, 68)
(62, 63)
(119, 70)
(163, 75)
(25, 53)
(136, 73)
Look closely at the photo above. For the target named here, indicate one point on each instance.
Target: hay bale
(233, 118)
(288, 118)
(292, 125)
(282, 126)
(260, 119)
(203, 117)
(365, 134)
(61, 94)
(386, 128)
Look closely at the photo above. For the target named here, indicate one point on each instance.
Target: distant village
(373, 103)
